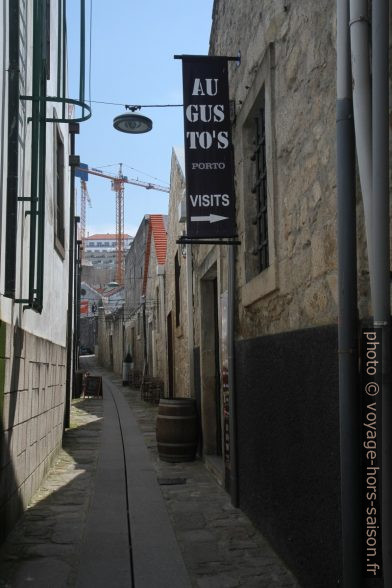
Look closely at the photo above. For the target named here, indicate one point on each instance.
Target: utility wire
(136, 106)
(145, 174)
(132, 168)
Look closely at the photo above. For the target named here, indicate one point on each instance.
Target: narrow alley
(111, 514)
(195, 213)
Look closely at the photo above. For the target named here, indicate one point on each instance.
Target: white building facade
(36, 203)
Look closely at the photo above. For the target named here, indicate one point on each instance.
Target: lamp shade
(130, 122)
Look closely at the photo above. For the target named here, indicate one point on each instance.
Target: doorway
(211, 395)
(111, 351)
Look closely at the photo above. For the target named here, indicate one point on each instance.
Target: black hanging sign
(208, 150)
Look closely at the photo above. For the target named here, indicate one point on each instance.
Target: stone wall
(134, 270)
(110, 341)
(155, 332)
(104, 333)
(133, 310)
(32, 396)
(286, 314)
(118, 344)
(289, 50)
(181, 363)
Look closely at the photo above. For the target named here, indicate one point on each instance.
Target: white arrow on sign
(211, 218)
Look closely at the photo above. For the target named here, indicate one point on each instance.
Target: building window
(59, 230)
(255, 123)
(177, 275)
(261, 249)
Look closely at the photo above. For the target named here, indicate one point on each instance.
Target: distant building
(105, 242)
(134, 318)
(99, 260)
(90, 301)
(144, 314)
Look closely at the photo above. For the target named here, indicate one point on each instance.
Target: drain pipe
(189, 290)
(362, 101)
(231, 378)
(349, 407)
(73, 130)
(13, 150)
(381, 303)
(77, 297)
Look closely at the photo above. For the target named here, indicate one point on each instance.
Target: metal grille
(260, 189)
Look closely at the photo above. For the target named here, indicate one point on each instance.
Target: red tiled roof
(156, 228)
(147, 258)
(105, 236)
(160, 237)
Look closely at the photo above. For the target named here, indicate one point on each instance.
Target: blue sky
(133, 44)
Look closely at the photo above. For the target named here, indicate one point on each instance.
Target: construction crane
(84, 199)
(118, 187)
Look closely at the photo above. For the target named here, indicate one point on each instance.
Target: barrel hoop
(160, 444)
(179, 418)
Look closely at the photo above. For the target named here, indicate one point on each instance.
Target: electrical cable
(145, 174)
(95, 166)
(136, 106)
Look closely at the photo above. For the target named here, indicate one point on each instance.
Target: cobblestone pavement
(53, 525)
(220, 546)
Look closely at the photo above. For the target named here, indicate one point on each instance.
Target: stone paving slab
(220, 546)
(157, 559)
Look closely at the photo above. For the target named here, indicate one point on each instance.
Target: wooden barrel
(177, 429)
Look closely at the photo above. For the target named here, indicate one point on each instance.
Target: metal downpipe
(362, 103)
(41, 202)
(35, 129)
(349, 406)
(73, 129)
(381, 220)
(12, 150)
(189, 287)
(231, 377)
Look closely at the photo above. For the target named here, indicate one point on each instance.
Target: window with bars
(261, 249)
(256, 179)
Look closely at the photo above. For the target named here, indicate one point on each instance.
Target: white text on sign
(209, 199)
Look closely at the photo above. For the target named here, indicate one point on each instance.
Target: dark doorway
(150, 352)
(211, 403)
(111, 351)
(218, 403)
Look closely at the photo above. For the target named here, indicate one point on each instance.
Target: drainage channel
(126, 492)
